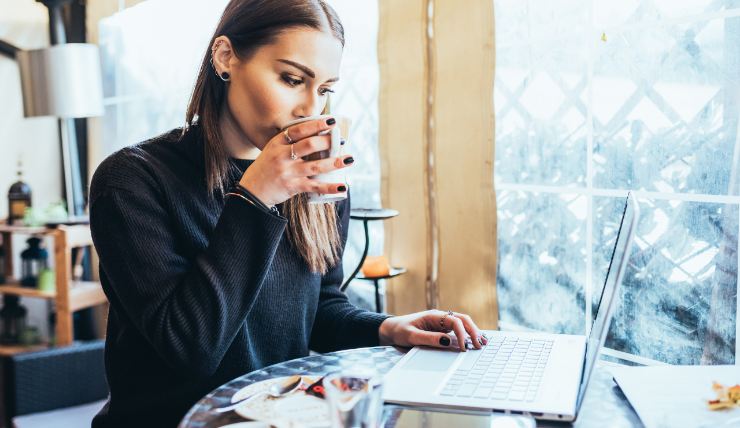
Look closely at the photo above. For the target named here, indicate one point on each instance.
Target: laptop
(544, 375)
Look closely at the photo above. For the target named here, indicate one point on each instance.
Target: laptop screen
(614, 275)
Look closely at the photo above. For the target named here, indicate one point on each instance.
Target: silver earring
(225, 75)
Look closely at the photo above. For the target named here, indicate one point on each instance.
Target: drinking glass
(355, 399)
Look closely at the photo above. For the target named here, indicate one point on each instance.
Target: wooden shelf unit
(70, 295)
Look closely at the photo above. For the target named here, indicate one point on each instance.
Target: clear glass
(355, 399)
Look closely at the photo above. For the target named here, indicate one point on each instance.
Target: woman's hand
(274, 177)
(431, 328)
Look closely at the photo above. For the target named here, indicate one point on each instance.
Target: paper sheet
(676, 396)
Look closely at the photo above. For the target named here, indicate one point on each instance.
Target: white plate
(254, 424)
(295, 410)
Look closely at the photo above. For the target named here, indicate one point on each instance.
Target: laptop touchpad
(431, 360)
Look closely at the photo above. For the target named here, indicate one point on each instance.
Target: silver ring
(292, 153)
(287, 137)
(442, 320)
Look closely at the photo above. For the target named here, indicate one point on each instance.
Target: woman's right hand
(274, 177)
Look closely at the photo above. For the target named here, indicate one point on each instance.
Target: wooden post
(436, 145)
(63, 261)
(8, 247)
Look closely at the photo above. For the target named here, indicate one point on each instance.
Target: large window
(595, 98)
(151, 53)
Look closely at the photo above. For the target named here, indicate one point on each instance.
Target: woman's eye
(324, 91)
(291, 81)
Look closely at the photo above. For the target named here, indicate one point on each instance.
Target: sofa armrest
(55, 378)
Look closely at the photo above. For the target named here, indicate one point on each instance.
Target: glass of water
(355, 399)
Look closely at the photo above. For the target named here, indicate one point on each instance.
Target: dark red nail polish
(331, 121)
(444, 341)
(349, 161)
(342, 188)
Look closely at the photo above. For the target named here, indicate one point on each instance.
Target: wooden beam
(464, 153)
(402, 103)
(436, 146)
(62, 263)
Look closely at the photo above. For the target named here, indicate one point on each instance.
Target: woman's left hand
(431, 328)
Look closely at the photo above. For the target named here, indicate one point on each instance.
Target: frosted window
(594, 98)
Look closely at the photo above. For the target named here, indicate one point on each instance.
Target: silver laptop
(539, 374)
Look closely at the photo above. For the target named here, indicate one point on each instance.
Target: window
(595, 98)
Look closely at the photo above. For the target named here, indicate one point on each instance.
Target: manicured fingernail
(342, 188)
(483, 341)
(444, 341)
(331, 121)
(341, 143)
(349, 161)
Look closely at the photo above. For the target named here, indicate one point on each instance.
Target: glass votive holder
(355, 399)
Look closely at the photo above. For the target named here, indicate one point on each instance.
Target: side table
(367, 215)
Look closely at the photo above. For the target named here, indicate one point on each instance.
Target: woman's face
(283, 81)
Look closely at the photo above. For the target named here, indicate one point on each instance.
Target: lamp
(63, 80)
(34, 260)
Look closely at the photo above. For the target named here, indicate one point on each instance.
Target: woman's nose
(311, 106)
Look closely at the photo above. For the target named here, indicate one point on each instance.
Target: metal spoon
(276, 390)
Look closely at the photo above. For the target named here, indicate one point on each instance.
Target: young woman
(213, 261)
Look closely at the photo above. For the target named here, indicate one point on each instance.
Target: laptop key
(483, 392)
(468, 362)
(516, 396)
(466, 390)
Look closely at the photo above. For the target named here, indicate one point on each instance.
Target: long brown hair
(250, 24)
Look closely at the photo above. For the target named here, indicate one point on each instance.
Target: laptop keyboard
(508, 368)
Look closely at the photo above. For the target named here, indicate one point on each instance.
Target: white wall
(34, 141)
(24, 23)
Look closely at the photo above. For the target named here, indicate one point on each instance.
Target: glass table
(603, 406)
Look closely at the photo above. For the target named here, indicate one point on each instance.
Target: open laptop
(540, 374)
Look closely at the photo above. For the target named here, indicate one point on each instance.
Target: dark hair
(250, 24)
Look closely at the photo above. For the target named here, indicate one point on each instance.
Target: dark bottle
(19, 198)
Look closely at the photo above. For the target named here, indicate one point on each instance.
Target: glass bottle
(19, 198)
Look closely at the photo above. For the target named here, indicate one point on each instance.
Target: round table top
(604, 404)
(370, 214)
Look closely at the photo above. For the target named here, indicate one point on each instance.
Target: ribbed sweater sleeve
(339, 324)
(189, 307)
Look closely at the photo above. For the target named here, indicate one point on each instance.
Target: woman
(213, 261)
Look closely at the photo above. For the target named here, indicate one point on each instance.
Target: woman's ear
(221, 54)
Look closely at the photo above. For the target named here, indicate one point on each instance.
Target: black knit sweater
(202, 288)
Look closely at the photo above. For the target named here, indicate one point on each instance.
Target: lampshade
(62, 80)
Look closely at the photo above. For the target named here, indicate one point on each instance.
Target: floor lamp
(63, 80)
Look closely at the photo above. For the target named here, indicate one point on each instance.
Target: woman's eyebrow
(305, 69)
